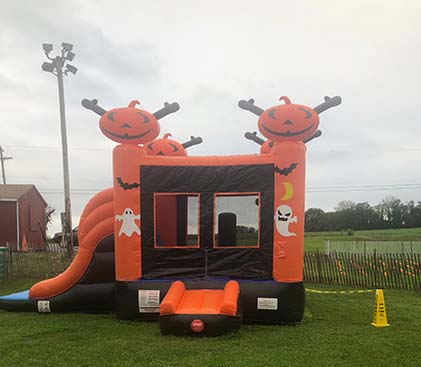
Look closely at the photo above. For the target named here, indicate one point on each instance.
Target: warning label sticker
(43, 306)
(148, 301)
(267, 303)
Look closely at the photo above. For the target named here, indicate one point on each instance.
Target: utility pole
(2, 159)
(56, 67)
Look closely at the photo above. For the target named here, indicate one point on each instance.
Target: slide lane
(96, 223)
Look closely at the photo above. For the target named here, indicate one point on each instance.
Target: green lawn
(317, 240)
(336, 332)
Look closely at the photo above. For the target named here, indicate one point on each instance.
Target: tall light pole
(55, 67)
(2, 159)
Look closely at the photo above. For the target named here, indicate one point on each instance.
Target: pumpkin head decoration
(130, 125)
(288, 121)
(165, 146)
(169, 147)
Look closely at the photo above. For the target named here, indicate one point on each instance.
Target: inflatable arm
(253, 137)
(328, 103)
(93, 106)
(250, 106)
(193, 141)
(166, 110)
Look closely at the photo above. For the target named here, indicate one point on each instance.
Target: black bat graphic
(126, 185)
(287, 170)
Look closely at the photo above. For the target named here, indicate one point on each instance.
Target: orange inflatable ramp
(208, 312)
(201, 301)
(96, 223)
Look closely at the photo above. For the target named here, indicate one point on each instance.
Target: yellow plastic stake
(380, 318)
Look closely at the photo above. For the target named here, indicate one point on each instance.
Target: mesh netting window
(236, 220)
(176, 220)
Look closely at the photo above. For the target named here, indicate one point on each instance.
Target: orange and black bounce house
(170, 240)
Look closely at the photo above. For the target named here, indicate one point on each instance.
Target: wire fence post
(319, 267)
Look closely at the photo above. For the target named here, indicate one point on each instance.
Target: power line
(364, 188)
(321, 189)
(46, 148)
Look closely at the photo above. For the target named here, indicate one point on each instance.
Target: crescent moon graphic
(289, 191)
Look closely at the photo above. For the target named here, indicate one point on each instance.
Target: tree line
(389, 213)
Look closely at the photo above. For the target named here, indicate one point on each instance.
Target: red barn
(22, 216)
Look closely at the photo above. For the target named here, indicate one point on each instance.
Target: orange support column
(126, 167)
(288, 236)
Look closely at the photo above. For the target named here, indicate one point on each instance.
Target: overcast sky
(207, 56)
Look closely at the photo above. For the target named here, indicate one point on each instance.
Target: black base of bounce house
(200, 325)
(89, 298)
(260, 301)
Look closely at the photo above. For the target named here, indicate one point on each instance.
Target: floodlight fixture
(47, 47)
(47, 66)
(70, 55)
(71, 68)
(67, 46)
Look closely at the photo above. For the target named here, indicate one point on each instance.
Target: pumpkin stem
(285, 99)
(132, 104)
(166, 136)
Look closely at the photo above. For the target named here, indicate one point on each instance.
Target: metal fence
(3, 264)
(370, 247)
(393, 271)
(33, 262)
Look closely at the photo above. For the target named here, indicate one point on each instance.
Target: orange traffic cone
(380, 318)
(24, 245)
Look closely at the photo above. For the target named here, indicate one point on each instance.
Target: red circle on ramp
(197, 326)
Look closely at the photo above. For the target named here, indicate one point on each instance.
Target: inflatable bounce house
(169, 241)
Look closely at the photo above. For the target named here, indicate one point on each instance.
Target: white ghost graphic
(283, 217)
(129, 225)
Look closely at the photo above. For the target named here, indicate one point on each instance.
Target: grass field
(317, 240)
(336, 332)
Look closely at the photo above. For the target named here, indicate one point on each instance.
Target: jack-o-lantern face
(165, 147)
(288, 122)
(129, 125)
